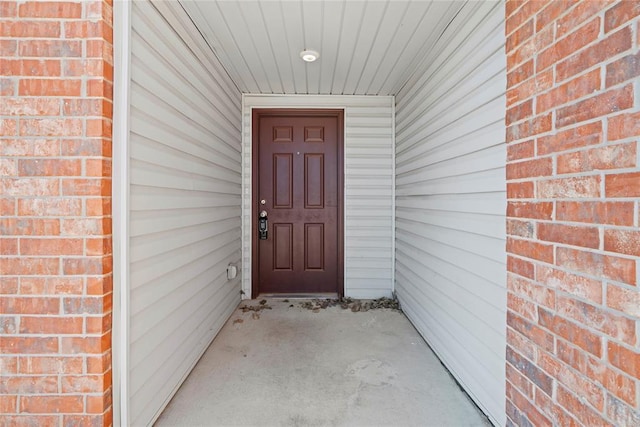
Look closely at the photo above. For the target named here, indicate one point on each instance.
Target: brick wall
(55, 227)
(573, 126)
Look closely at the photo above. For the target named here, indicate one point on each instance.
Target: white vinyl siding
(184, 203)
(451, 202)
(368, 187)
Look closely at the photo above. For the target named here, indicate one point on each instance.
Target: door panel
(298, 182)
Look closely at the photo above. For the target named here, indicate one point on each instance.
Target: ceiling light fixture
(309, 55)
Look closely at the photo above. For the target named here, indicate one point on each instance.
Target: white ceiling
(367, 47)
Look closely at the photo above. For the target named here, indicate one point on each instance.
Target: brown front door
(298, 184)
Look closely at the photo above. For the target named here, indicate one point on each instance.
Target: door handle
(263, 226)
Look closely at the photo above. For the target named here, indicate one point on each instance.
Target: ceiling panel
(367, 47)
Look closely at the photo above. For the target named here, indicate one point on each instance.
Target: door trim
(255, 117)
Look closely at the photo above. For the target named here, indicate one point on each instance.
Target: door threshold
(328, 295)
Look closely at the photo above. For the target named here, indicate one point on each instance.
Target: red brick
(7, 207)
(522, 307)
(8, 127)
(618, 327)
(51, 325)
(622, 414)
(624, 359)
(584, 413)
(623, 185)
(585, 387)
(51, 286)
(50, 207)
(620, 14)
(29, 266)
(569, 188)
(72, 345)
(29, 227)
(8, 246)
(29, 186)
(570, 235)
(520, 190)
(43, 365)
(43, 48)
(571, 332)
(8, 9)
(8, 325)
(83, 187)
(569, 283)
(581, 136)
(24, 148)
(622, 241)
(527, 368)
(568, 45)
(535, 334)
(14, 226)
(49, 167)
(8, 404)
(51, 404)
(568, 92)
(87, 420)
(530, 249)
(30, 29)
(614, 44)
(30, 107)
(8, 366)
(611, 213)
(520, 151)
(520, 267)
(24, 345)
(528, 128)
(8, 285)
(519, 112)
(531, 415)
(49, 87)
(623, 126)
(624, 300)
(527, 89)
(82, 384)
(50, 127)
(530, 168)
(623, 69)
(520, 382)
(520, 74)
(622, 386)
(520, 228)
(522, 34)
(82, 107)
(522, 15)
(29, 305)
(608, 102)
(582, 11)
(532, 291)
(603, 158)
(541, 210)
(597, 265)
(50, 9)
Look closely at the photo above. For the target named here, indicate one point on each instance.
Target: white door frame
(120, 210)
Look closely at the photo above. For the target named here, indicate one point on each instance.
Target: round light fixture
(309, 55)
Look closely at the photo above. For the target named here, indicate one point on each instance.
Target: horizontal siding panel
(451, 202)
(185, 203)
(368, 187)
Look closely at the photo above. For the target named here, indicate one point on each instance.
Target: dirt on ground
(355, 305)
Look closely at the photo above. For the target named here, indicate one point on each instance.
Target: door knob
(263, 214)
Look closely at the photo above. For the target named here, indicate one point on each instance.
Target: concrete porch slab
(291, 366)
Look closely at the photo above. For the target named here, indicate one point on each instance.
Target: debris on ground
(235, 322)
(355, 305)
(256, 308)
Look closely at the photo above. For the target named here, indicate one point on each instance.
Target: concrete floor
(291, 366)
